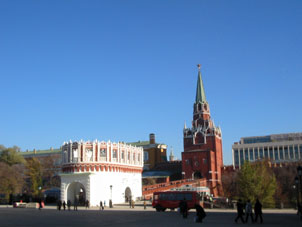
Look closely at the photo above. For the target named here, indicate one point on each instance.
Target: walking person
(59, 205)
(258, 211)
(249, 211)
(101, 205)
(239, 211)
(200, 213)
(183, 206)
(87, 204)
(64, 205)
(68, 204)
(75, 205)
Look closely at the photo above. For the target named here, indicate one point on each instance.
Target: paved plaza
(124, 216)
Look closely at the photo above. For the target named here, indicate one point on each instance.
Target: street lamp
(110, 202)
(299, 169)
(297, 187)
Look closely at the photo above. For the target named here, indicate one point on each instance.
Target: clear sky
(119, 70)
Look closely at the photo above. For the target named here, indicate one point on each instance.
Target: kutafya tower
(202, 156)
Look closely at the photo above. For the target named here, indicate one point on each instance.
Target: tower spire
(200, 94)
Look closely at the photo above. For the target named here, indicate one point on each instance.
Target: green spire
(200, 94)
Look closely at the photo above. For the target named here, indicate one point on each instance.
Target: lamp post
(299, 169)
(297, 188)
(110, 202)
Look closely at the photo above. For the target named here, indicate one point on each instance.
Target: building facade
(101, 171)
(154, 153)
(278, 148)
(202, 156)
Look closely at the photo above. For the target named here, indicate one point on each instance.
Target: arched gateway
(76, 191)
(99, 171)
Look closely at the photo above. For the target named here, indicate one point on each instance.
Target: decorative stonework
(101, 171)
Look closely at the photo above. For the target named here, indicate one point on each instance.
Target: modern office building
(278, 148)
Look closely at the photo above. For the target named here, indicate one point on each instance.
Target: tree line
(274, 186)
(27, 178)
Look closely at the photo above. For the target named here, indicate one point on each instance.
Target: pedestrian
(104, 203)
(183, 206)
(40, 204)
(59, 204)
(64, 205)
(258, 211)
(87, 204)
(75, 205)
(200, 213)
(133, 203)
(249, 211)
(239, 211)
(101, 205)
(145, 205)
(68, 204)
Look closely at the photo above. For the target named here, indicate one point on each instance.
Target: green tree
(11, 156)
(34, 174)
(257, 181)
(11, 168)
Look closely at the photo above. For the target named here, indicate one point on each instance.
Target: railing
(150, 189)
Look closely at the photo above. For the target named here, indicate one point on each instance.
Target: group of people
(200, 213)
(249, 211)
(63, 204)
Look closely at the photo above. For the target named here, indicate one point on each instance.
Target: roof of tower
(200, 94)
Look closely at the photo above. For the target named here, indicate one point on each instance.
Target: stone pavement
(124, 216)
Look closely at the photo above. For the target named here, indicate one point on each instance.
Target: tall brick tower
(202, 156)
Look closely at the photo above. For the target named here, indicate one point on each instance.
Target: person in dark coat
(258, 211)
(101, 205)
(239, 211)
(183, 206)
(64, 205)
(59, 204)
(249, 211)
(75, 205)
(200, 213)
(68, 204)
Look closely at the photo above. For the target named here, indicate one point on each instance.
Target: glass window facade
(266, 152)
(251, 154)
(291, 152)
(241, 157)
(281, 153)
(296, 152)
(256, 153)
(261, 153)
(246, 154)
(271, 153)
(279, 149)
(236, 157)
(276, 153)
(286, 157)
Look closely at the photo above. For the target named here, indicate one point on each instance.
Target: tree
(11, 168)
(11, 156)
(257, 181)
(229, 184)
(50, 172)
(11, 179)
(34, 176)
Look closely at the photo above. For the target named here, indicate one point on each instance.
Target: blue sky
(119, 70)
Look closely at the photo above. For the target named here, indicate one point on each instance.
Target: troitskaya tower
(202, 156)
